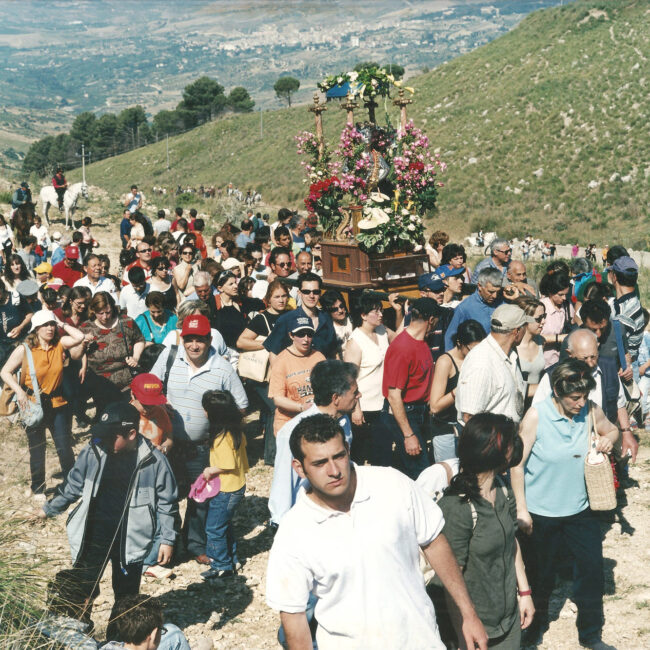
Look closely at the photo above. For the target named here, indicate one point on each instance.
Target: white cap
(231, 263)
(41, 317)
(56, 235)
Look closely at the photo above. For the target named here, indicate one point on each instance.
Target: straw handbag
(599, 475)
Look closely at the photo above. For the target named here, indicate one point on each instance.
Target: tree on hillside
(202, 100)
(240, 101)
(284, 87)
(396, 70)
(83, 127)
(365, 64)
(167, 123)
(35, 161)
(105, 142)
(132, 127)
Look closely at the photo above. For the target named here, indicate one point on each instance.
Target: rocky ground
(231, 613)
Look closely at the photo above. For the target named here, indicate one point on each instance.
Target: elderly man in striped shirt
(187, 374)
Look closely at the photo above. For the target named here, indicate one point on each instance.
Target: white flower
(388, 210)
(417, 248)
(418, 221)
(339, 80)
(413, 217)
(411, 227)
(353, 75)
(377, 218)
(378, 197)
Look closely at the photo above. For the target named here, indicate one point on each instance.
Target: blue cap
(430, 282)
(625, 265)
(449, 271)
(299, 322)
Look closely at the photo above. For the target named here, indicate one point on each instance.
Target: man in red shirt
(69, 269)
(408, 373)
(143, 252)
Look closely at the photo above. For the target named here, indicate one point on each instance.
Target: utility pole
(167, 142)
(83, 163)
(261, 123)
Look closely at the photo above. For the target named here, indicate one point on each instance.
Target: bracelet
(628, 430)
(406, 437)
(527, 592)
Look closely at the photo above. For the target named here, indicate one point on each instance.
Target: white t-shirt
(161, 225)
(363, 566)
(134, 302)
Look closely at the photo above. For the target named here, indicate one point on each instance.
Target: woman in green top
(480, 524)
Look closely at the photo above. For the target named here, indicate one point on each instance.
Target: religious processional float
(371, 194)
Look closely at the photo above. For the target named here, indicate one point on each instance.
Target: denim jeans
(221, 546)
(444, 447)
(267, 414)
(193, 532)
(418, 418)
(57, 420)
(581, 534)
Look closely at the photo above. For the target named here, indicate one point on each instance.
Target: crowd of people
(455, 422)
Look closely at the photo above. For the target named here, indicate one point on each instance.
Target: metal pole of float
(83, 162)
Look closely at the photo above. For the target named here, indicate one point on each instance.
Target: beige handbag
(599, 475)
(254, 364)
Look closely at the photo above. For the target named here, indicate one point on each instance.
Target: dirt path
(232, 613)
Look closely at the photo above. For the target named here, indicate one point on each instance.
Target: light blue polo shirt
(555, 472)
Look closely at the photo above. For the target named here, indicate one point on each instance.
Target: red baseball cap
(72, 252)
(197, 325)
(147, 389)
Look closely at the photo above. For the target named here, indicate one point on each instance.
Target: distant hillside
(545, 130)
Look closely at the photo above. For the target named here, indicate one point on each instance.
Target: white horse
(50, 197)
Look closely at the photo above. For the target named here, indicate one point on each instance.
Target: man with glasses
(143, 252)
(94, 279)
(280, 265)
(309, 288)
(480, 305)
(500, 257)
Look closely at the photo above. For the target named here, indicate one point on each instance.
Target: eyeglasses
(187, 253)
(283, 265)
(310, 292)
(539, 319)
(506, 252)
(338, 308)
(145, 250)
(300, 334)
(316, 248)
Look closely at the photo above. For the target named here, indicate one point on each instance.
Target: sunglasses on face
(144, 250)
(187, 253)
(300, 334)
(310, 292)
(338, 308)
(539, 319)
(506, 252)
(283, 265)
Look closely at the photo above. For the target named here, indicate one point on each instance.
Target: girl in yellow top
(229, 461)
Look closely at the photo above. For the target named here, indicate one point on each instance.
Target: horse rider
(60, 186)
(21, 196)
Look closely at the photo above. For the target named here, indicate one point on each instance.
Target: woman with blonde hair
(46, 350)
(531, 348)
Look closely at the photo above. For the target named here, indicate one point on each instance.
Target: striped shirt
(185, 389)
(628, 311)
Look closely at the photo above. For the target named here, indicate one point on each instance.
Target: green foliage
(166, 123)
(240, 101)
(202, 100)
(396, 70)
(284, 87)
(83, 127)
(5, 196)
(365, 64)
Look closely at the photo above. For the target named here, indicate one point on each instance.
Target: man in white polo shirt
(94, 280)
(352, 540)
(490, 378)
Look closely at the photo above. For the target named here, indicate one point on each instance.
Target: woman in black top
(229, 319)
(249, 305)
(443, 389)
(161, 281)
(252, 339)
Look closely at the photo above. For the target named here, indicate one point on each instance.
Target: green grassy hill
(545, 130)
